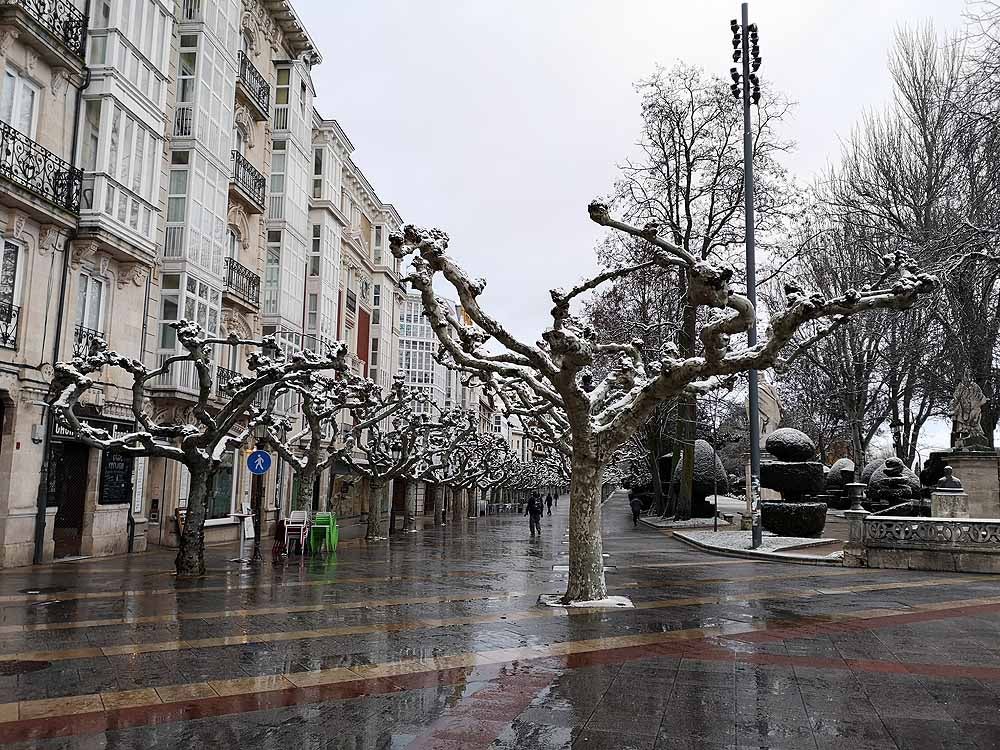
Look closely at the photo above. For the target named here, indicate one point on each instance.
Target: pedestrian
(548, 502)
(534, 513)
(636, 505)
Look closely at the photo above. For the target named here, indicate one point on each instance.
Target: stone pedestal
(979, 472)
(949, 505)
(855, 552)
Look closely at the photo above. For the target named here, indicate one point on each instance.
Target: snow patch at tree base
(611, 602)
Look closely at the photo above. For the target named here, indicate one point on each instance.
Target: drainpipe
(43, 474)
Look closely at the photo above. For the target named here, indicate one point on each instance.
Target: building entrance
(68, 488)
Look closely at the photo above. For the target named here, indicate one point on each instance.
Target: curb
(675, 529)
(765, 556)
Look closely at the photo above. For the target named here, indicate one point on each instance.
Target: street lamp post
(746, 88)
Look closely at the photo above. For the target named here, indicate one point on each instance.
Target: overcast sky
(499, 121)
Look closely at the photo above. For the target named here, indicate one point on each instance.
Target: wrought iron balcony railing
(242, 282)
(60, 18)
(36, 169)
(248, 179)
(10, 316)
(255, 83)
(223, 380)
(83, 339)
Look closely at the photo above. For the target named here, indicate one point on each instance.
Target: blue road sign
(259, 462)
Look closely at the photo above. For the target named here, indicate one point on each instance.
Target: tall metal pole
(754, 407)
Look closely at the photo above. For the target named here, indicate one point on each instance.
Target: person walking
(548, 502)
(534, 512)
(636, 505)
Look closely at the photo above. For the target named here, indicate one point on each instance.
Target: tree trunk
(410, 508)
(586, 561)
(457, 503)
(654, 470)
(374, 530)
(190, 560)
(257, 510)
(438, 505)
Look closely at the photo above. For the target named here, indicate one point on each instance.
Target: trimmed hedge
(794, 519)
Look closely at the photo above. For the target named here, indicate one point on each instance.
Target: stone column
(855, 553)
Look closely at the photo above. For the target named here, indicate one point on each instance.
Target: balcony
(254, 87)
(10, 316)
(242, 284)
(249, 183)
(225, 386)
(37, 170)
(83, 340)
(57, 28)
(183, 121)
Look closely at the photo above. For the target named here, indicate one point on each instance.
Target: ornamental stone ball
(788, 444)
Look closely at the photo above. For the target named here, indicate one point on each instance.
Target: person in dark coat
(534, 512)
(548, 503)
(636, 505)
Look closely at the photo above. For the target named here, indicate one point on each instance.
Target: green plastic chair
(323, 532)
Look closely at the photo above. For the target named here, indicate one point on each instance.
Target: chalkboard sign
(116, 478)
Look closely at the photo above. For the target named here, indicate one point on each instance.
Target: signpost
(259, 462)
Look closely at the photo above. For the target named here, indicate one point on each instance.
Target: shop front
(91, 491)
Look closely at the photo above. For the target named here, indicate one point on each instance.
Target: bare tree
(324, 402)
(218, 422)
(601, 417)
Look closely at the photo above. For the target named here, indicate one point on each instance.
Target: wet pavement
(434, 641)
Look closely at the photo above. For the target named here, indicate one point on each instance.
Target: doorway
(69, 465)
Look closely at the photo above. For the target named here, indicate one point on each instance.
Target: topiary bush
(794, 519)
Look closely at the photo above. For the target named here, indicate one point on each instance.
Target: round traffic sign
(259, 462)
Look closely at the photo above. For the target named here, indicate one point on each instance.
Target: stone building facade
(163, 160)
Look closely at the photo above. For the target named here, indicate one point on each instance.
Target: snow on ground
(611, 602)
(741, 540)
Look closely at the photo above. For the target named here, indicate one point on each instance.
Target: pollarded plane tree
(602, 416)
(326, 402)
(384, 450)
(218, 421)
(447, 454)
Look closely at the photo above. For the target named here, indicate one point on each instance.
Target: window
(374, 354)
(377, 295)
(177, 190)
(497, 427)
(272, 272)
(352, 301)
(91, 136)
(234, 244)
(90, 302)
(378, 236)
(303, 98)
(313, 311)
(317, 173)
(19, 103)
(169, 310)
(220, 502)
(202, 305)
(9, 278)
(376, 317)
(279, 160)
(315, 256)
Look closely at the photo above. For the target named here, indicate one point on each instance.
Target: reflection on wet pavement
(434, 641)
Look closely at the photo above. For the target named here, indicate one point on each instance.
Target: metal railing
(225, 386)
(183, 120)
(242, 282)
(36, 169)
(191, 10)
(255, 83)
(10, 316)
(60, 18)
(83, 339)
(248, 179)
(281, 117)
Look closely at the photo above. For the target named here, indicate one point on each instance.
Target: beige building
(206, 188)
(42, 55)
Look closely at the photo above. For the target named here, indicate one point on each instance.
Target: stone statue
(768, 407)
(949, 481)
(966, 413)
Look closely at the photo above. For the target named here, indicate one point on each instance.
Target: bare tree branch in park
(215, 426)
(601, 417)
(688, 179)
(313, 448)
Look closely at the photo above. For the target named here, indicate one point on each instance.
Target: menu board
(116, 478)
